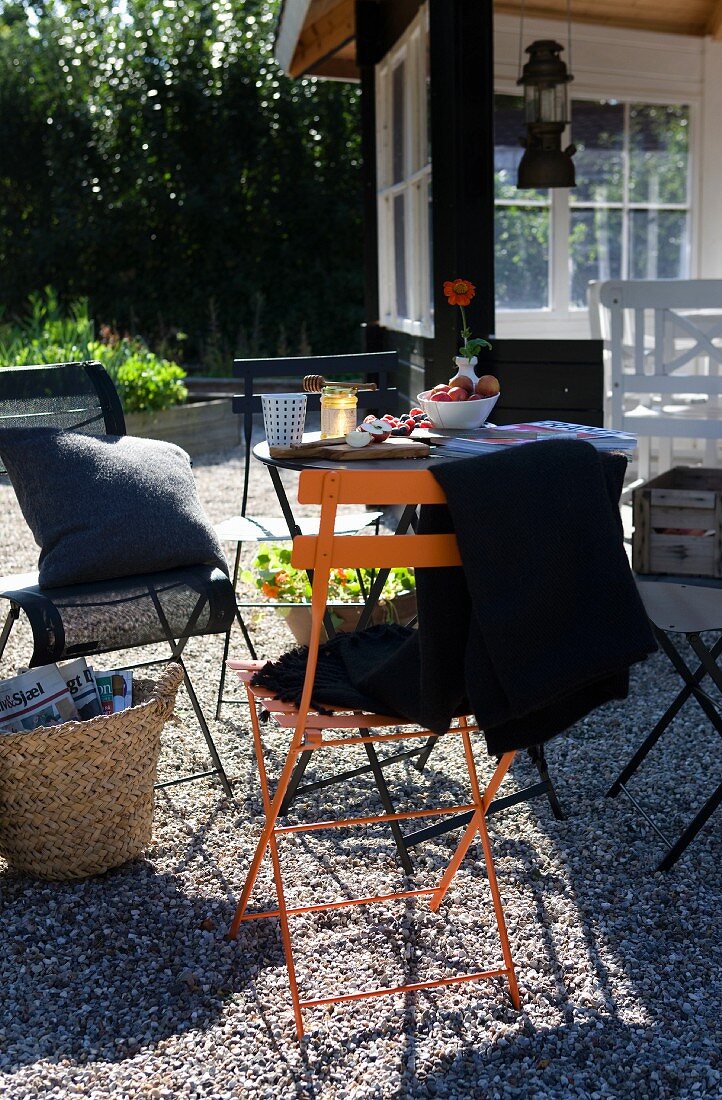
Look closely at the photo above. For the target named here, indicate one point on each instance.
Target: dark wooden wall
(462, 140)
(540, 379)
(547, 380)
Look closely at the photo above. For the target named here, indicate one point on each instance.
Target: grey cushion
(107, 506)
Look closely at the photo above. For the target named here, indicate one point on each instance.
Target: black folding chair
(378, 367)
(687, 606)
(125, 613)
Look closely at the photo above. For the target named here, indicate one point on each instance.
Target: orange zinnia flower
(269, 590)
(459, 291)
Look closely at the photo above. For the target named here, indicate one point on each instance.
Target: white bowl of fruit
(461, 403)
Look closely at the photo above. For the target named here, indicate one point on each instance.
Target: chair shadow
(129, 938)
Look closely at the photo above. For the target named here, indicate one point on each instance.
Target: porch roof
(317, 37)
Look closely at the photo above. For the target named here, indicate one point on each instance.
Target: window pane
(430, 230)
(658, 244)
(427, 79)
(598, 133)
(658, 150)
(398, 136)
(522, 257)
(595, 250)
(400, 256)
(508, 129)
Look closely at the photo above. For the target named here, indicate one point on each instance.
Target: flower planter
(199, 427)
(401, 609)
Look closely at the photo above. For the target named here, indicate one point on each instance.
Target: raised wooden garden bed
(199, 427)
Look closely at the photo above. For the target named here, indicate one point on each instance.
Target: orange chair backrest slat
(373, 487)
(364, 551)
(332, 487)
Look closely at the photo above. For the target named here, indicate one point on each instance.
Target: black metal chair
(126, 613)
(379, 367)
(687, 606)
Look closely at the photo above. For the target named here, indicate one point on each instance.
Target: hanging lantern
(546, 113)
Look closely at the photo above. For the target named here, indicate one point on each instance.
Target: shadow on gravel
(555, 1063)
(91, 973)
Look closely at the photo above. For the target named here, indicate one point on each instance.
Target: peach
(458, 393)
(441, 388)
(440, 395)
(462, 380)
(488, 386)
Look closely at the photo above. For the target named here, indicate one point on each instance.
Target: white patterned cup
(284, 415)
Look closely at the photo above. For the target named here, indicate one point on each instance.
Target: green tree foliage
(156, 161)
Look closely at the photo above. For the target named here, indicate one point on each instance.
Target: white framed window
(629, 216)
(404, 183)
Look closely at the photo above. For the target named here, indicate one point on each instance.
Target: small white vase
(466, 367)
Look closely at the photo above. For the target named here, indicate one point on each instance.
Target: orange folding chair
(312, 731)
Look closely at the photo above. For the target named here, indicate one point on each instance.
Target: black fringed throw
(343, 662)
(538, 629)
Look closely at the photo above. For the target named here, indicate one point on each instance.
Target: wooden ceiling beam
(337, 68)
(669, 18)
(714, 23)
(320, 40)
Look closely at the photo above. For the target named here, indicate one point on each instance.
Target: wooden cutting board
(393, 448)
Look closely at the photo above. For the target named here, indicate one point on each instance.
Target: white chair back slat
(663, 350)
(661, 342)
(639, 341)
(616, 348)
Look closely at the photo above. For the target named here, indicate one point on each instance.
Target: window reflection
(628, 215)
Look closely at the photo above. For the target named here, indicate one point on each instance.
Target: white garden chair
(663, 342)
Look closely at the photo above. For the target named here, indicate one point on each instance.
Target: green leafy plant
(146, 383)
(275, 577)
(47, 333)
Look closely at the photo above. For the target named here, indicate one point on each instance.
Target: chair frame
(679, 308)
(321, 553)
(404, 842)
(670, 613)
(111, 420)
(382, 366)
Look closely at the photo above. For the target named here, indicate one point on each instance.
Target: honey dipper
(314, 383)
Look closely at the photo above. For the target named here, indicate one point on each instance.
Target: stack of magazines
(489, 438)
(52, 694)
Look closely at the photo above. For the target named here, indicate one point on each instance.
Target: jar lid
(339, 390)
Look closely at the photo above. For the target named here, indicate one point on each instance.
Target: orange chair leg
(272, 809)
(273, 846)
(478, 822)
(499, 911)
(471, 830)
(286, 937)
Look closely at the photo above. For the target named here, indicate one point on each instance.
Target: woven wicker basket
(77, 799)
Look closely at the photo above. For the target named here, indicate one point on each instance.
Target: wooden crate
(678, 523)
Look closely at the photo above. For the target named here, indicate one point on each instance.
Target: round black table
(262, 454)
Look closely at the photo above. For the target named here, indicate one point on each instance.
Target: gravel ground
(126, 986)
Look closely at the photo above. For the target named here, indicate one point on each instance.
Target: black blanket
(539, 627)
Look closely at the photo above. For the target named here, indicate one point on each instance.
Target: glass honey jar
(338, 411)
